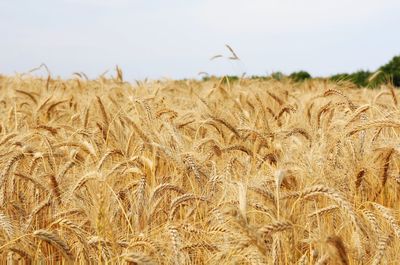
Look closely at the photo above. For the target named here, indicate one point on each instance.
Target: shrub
(300, 76)
(206, 78)
(259, 77)
(230, 78)
(339, 77)
(359, 78)
(391, 71)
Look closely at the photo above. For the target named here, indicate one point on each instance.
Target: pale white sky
(176, 39)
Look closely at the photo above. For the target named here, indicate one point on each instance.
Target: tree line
(388, 73)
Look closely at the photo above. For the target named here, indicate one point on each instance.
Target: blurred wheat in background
(198, 172)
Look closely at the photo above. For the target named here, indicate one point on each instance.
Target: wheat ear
(55, 241)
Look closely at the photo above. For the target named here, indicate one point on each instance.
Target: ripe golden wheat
(189, 172)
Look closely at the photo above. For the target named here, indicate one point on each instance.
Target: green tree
(300, 76)
(339, 77)
(391, 70)
(360, 78)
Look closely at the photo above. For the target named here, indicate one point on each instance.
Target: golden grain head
(189, 172)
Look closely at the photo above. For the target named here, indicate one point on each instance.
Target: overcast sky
(176, 39)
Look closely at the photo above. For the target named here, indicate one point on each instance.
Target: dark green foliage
(230, 78)
(360, 78)
(300, 76)
(339, 77)
(391, 71)
(206, 78)
(225, 79)
(260, 77)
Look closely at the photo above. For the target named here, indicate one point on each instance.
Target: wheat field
(189, 172)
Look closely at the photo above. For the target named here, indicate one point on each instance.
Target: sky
(176, 38)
